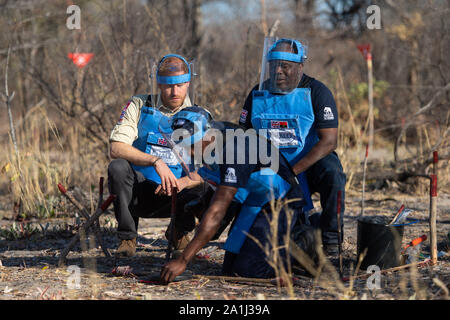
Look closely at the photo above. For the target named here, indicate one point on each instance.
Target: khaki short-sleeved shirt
(126, 129)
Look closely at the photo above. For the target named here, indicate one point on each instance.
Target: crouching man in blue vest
(143, 163)
(246, 169)
(299, 115)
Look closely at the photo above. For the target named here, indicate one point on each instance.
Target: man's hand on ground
(172, 269)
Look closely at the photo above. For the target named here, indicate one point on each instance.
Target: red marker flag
(80, 59)
(365, 51)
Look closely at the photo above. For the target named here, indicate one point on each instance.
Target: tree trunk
(304, 12)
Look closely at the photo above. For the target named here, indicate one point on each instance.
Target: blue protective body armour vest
(151, 141)
(287, 121)
(263, 186)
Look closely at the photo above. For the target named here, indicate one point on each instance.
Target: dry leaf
(113, 293)
(6, 167)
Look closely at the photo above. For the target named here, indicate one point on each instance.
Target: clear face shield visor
(281, 71)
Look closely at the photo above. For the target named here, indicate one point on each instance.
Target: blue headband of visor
(174, 79)
(199, 121)
(288, 56)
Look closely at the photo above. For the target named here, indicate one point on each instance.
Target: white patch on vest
(165, 154)
(230, 176)
(328, 114)
(283, 137)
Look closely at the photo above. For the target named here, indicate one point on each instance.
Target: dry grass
(47, 157)
(325, 276)
(33, 173)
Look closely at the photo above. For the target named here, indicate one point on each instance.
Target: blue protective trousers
(327, 177)
(252, 261)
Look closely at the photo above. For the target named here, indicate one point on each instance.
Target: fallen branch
(425, 263)
(272, 281)
(127, 271)
(393, 175)
(432, 103)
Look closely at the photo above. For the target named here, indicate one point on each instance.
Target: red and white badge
(162, 142)
(122, 114)
(243, 116)
(275, 124)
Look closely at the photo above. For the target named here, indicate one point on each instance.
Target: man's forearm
(208, 228)
(189, 183)
(210, 222)
(131, 154)
(320, 150)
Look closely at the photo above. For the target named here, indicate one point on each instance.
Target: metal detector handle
(173, 214)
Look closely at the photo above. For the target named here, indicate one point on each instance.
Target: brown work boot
(127, 248)
(180, 239)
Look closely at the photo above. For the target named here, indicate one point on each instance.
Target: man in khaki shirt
(143, 179)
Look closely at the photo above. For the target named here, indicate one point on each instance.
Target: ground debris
(28, 267)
